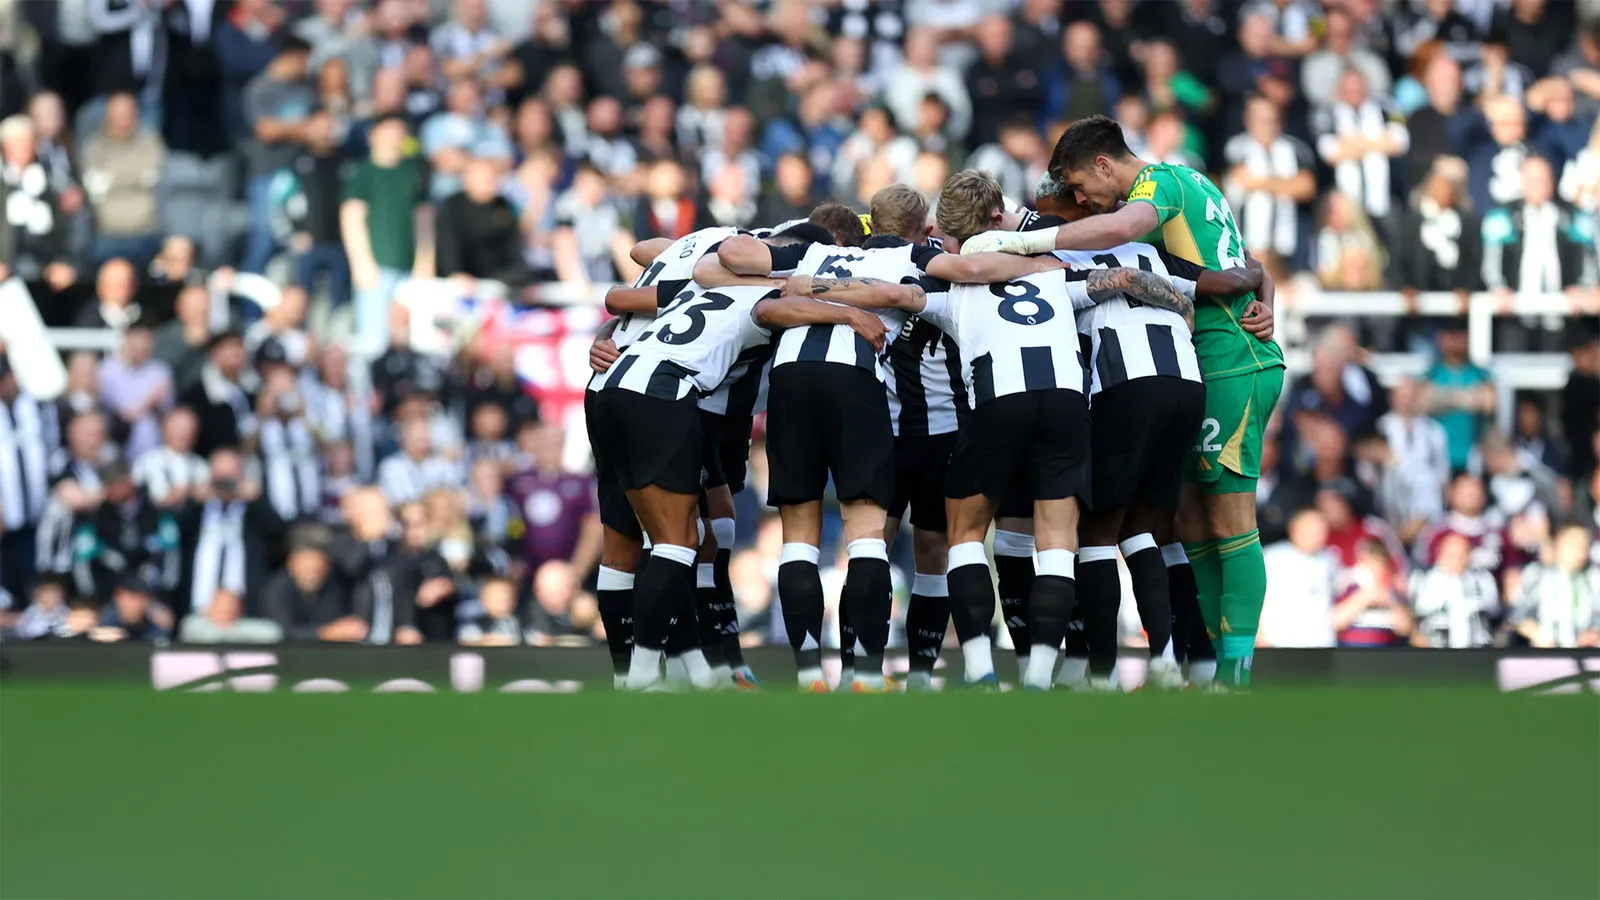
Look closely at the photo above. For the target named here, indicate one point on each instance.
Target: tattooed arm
(867, 293)
(1136, 284)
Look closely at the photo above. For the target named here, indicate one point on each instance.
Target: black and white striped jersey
(693, 345)
(1015, 336)
(926, 392)
(1127, 340)
(670, 274)
(162, 470)
(24, 462)
(744, 392)
(887, 258)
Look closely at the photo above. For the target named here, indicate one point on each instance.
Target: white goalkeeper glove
(1022, 243)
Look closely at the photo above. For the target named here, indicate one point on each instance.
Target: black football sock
(1190, 643)
(1150, 591)
(1051, 606)
(727, 610)
(1100, 593)
(800, 597)
(927, 619)
(614, 593)
(1014, 574)
(706, 614)
(663, 592)
(972, 604)
(868, 594)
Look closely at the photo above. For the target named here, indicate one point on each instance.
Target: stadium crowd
(264, 460)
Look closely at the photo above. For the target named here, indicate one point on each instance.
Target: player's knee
(929, 548)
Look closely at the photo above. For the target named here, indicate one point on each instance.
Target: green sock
(1207, 566)
(1244, 590)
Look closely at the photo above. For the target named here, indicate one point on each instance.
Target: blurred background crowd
(257, 228)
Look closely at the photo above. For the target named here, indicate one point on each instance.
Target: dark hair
(841, 222)
(293, 43)
(1086, 139)
(803, 233)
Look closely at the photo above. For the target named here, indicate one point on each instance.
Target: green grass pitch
(123, 793)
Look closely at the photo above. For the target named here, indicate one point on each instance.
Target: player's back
(890, 260)
(671, 273)
(693, 343)
(1128, 339)
(1014, 336)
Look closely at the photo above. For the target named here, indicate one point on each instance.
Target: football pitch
(126, 793)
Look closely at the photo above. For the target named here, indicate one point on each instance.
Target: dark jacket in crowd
(300, 613)
(483, 240)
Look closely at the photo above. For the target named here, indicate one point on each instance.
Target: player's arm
(743, 254)
(867, 293)
(603, 352)
(645, 252)
(1136, 284)
(1229, 282)
(622, 300)
(1102, 232)
(987, 268)
(795, 312)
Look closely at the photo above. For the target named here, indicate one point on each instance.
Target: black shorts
(921, 466)
(645, 441)
(726, 443)
(828, 418)
(1034, 444)
(615, 511)
(1142, 431)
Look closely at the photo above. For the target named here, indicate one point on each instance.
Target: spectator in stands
(1468, 515)
(700, 118)
(1433, 128)
(492, 379)
(655, 139)
(57, 149)
(137, 387)
(417, 468)
(1000, 84)
(1269, 176)
(561, 608)
(1532, 439)
(558, 509)
(133, 615)
(305, 600)
(1535, 246)
(291, 477)
(461, 132)
(29, 431)
(1339, 387)
(1462, 395)
(120, 534)
(1580, 180)
(1167, 140)
(318, 245)
(340, 29)
(171, 270)
(1082, 85)
(1494, 144)
(1370, 611)
(1580, 401)
(1200, 33)
(34, 231)
(121, 165)
(588, 243)
(83, 396)
(182, 342)
(1456, 603)
(478, 233)
(230, 538)
(875, 136)
(113, 305)
(1534, 31)
(1351, 528)
(736, 147)
(276, 105)
(730, 197)
(1420, 460)
(1581, 67)
(1300, 587)
(1014, 159)
(379, 220)
(173, 473)
(1560, 134)
(46, 613)
(223, 622)
(1256, 69)
(665, 210)
(1349, 252)
(923, 74)
(218, 398)
(1358, 135)
(793, 196)
(246, 43)
(1497, 74)
(1342, 51)
(496, 623)
(1168, 87)
(1438, 241)
(1558, 604)
(606, 146)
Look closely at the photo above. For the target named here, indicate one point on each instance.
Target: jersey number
(830, 265)
(1025, 308)
(696, 313)
(1209, 429)
(1224, 217)
(651, 274)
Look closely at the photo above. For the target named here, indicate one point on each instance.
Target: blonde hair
(17, 126)
(900, 210)
(968, 202)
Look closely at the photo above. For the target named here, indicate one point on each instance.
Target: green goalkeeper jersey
(1197, 225)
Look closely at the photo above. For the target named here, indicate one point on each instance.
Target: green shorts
(1226, 457)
